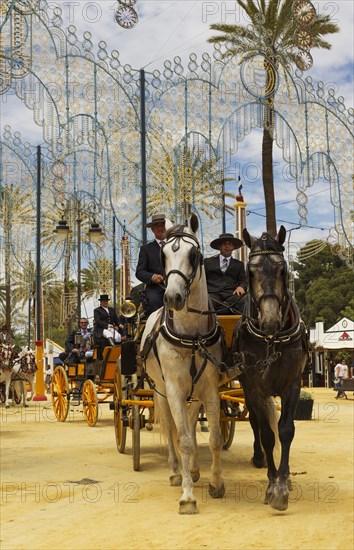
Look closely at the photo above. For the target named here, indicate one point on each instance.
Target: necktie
(224, 265)
(161, 243)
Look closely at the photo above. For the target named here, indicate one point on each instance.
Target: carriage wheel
(120, 429)
(60, 391)
(90, 403)
(228, 432)
(136, 437)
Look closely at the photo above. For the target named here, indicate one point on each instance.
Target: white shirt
(341, 370)
(222, 264)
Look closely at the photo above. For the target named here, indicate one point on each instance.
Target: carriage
(87, 383)
(175, 364)
(182, 353)
(90, 382)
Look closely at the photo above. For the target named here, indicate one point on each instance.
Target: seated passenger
(226, 276)
(78, 345)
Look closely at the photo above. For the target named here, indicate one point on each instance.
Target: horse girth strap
(186, 340)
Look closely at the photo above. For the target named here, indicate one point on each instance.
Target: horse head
(182, 261)
(267, 279)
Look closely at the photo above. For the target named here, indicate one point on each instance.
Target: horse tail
(273, 418)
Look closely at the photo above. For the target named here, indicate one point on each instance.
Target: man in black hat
(226, 277)
(149, 269)
(106, 323)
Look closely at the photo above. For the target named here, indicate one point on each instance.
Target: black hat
(226, 237)
(104, 297)
(156, 218)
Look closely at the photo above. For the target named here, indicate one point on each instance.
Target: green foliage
(305, 395)
(324, 287)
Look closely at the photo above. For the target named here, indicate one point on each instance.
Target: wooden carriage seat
(110, 357)
(228, 323)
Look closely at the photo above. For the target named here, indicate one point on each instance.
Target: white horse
(181, 346)
(7, 356)
(21, 369)
(26, 372)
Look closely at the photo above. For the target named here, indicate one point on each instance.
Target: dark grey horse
(270, 349)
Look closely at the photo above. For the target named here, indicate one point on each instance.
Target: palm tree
(274, 32)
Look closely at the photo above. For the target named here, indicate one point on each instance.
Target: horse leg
(7, 390)
(31, 382)
(185, 442)
(280, 496)
(212, 408)
(163, 415)
(266, 414)
(193, 414)
(258, 458)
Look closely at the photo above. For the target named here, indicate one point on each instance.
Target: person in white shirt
(340, 372)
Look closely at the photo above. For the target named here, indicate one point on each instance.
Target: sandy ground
(43, 506)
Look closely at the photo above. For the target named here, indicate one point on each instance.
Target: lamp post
(95, 235)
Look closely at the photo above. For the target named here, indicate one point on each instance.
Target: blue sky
(169, 28)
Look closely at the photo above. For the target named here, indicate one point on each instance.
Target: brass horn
(128, 309)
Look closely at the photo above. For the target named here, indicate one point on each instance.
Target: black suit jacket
(102, 319)
(224, 283)
(149, 263)
(75, 340)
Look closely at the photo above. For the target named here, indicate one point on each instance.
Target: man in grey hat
(149, 269)
(226, 277)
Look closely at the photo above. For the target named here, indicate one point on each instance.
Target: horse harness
(296, 331)
(164, 323)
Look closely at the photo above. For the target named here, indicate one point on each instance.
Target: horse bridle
(198, 260)
(281, 300)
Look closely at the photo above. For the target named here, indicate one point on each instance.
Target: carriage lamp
(95, 232)
(62, 229)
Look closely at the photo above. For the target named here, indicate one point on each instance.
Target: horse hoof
(7, 406)
(195, 475)
(215, 492)
(176, 480)
(26, 405)
(149, 427)
(258, 463)
(279, 500)
(188, 507)
(279, 503)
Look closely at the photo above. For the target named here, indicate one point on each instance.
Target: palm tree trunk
(268, 181)
(267, 158)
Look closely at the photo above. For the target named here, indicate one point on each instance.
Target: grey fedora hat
(226, 237)
(156, 218)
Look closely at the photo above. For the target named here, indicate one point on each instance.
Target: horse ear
(193, 223)
(281, 234)
(247, 238)
(168, 224)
